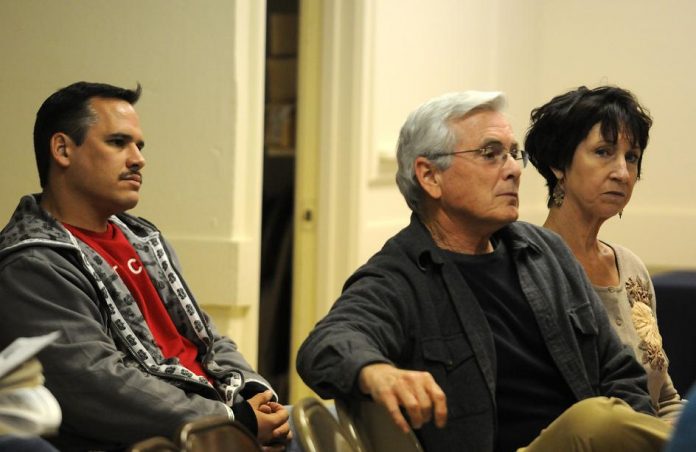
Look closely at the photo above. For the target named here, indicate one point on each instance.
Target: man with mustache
(483, 332)
(137, 356)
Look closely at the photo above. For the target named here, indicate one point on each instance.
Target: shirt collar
(426, 252)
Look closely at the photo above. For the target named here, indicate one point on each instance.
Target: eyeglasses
(492, 154)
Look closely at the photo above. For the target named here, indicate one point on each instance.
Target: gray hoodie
(106, 371)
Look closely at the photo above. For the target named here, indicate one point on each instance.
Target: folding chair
(215, 434)
(317, 430)
(373, 429)
(154, 444)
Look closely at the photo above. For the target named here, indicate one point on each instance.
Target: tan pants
(601, 424)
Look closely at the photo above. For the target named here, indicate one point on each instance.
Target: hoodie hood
(30, 225)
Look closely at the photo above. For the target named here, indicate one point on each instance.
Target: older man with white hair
(480, 331)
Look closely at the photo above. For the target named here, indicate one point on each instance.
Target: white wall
(644, 46)
(424, 49)
(533, 50)
(201, 67)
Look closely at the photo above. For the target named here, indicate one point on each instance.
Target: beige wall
(382, 58)
(533, 50)
(201, 67)
(644, 46)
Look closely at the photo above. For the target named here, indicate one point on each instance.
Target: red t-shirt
(113, 246)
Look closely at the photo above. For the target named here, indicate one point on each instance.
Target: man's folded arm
(621, 375)
(363, 327)
(84, 369)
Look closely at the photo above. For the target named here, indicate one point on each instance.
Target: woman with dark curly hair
(588, 144)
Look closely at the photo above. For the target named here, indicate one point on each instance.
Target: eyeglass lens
(496, 152)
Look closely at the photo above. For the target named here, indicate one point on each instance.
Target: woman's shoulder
(634, 276)
(629, 260)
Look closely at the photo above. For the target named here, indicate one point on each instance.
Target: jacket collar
(31, 225)
(425, 252)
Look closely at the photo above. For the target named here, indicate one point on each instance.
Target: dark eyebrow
(125, 137)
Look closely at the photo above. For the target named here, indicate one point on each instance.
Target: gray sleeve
(101, 397)
(670, 403)
(225, 350)
(366, 325)
(227, 355)
(620, 375)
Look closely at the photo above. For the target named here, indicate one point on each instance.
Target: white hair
(428, 131)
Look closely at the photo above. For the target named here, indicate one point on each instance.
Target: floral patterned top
(632, 312)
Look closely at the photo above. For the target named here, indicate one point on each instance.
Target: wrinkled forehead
(483, 126)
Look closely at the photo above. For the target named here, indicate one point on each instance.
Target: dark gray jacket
(106, 371)
(409, 306)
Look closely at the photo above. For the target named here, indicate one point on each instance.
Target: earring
(558, 194)
(620, 213)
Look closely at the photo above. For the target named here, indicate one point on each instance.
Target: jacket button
(619, 321)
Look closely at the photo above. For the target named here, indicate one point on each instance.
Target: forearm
(620, 374)
(228, 358)
(101, 396)
(124, 405)
(362, 328)
(329, 361)
(670, 404)
(224, 351)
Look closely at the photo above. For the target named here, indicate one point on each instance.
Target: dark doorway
(278, 194)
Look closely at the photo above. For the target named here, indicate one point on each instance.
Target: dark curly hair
(68, 111)
(559, 126)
